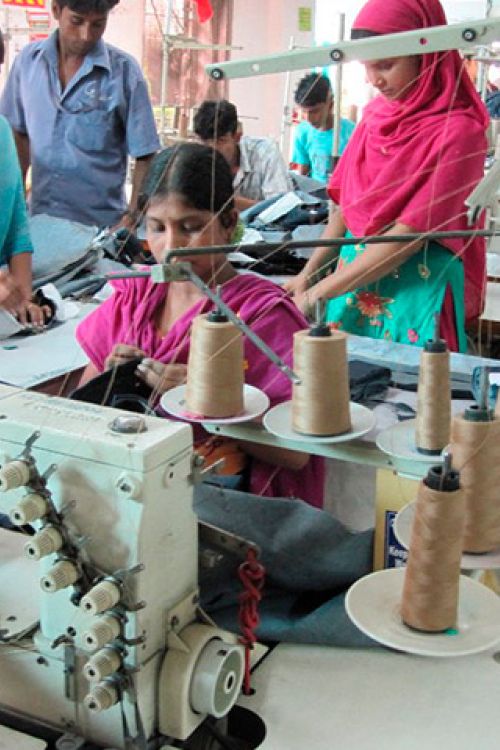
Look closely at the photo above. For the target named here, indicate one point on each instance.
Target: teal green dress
(14, 227)
(402, 306)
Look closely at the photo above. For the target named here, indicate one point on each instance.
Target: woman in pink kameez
(191, 205)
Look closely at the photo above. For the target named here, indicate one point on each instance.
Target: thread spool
(320, 402)
(432, 428)
(475, 443)
(215, 367)
(430, 592)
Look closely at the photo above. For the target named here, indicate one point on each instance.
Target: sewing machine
(100, 633)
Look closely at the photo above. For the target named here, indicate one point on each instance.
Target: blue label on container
(395, 556)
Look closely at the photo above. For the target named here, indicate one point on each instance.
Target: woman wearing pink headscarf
(411, 163)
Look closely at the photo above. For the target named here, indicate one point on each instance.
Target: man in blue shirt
(313, 144)
(78, 108)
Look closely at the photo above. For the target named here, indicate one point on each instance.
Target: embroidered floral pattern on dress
(412, 335)
(424, 271)
(371, 304)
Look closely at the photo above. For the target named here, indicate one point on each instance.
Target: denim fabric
(310, 560)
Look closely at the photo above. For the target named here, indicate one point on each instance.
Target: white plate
(399, 441)
(255, 403)
(481, 561)
(373, 603)
(278, 421)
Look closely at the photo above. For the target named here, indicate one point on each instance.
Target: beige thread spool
(432, 428)
(320, 402)
(475, 444)
(430, 592)
(215, 377)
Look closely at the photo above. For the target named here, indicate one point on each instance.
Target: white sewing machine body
(124, 503)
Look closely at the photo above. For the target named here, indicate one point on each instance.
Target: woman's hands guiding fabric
(160, 377)
(122, 353)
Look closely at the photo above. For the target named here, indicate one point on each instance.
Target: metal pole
(286, 108)
(338, 97)
(164, 68)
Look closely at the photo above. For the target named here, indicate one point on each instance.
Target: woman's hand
(160, 377)
(122, 353)
(11, 296)
(297, 285)
(32, 314)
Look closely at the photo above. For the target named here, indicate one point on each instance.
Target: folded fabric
(60, 247)
(119, 387)
(367, 380)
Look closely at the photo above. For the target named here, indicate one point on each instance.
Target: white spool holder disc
(278, 421)
(374, 605)
(399, 441)
(255, 403)
(480, 561)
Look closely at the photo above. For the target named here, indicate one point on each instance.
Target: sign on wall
(25, 3)
(38, 24)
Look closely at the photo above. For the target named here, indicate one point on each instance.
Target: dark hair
(200, 174)
(312, 89)
(2, 48)
(87, 6)
(215, 119)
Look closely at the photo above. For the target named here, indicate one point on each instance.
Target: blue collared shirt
(80, 137)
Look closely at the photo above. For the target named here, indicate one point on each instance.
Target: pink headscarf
(415, 161)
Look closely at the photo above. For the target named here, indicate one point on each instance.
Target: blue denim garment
(80, 137)
(310, 561)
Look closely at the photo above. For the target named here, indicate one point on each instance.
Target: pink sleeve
(103, 328)
(275, 323)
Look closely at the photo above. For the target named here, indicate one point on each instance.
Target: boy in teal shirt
(313, 144)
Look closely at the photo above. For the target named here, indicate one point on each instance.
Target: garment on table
(402, 306)
(310, 560)
(415, 161)
(313, 147)
(14, 229)
(80, 137)
(262, 172)
(128, 317)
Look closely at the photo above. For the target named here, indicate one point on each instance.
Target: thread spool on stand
(432, 428)
(320, 402)
(430, 591)
(215, 377)
(475, 444)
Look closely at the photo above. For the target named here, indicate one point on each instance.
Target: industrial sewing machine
(100, 633)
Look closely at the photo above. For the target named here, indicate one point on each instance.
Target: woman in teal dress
(15, 244)
(412, 161)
